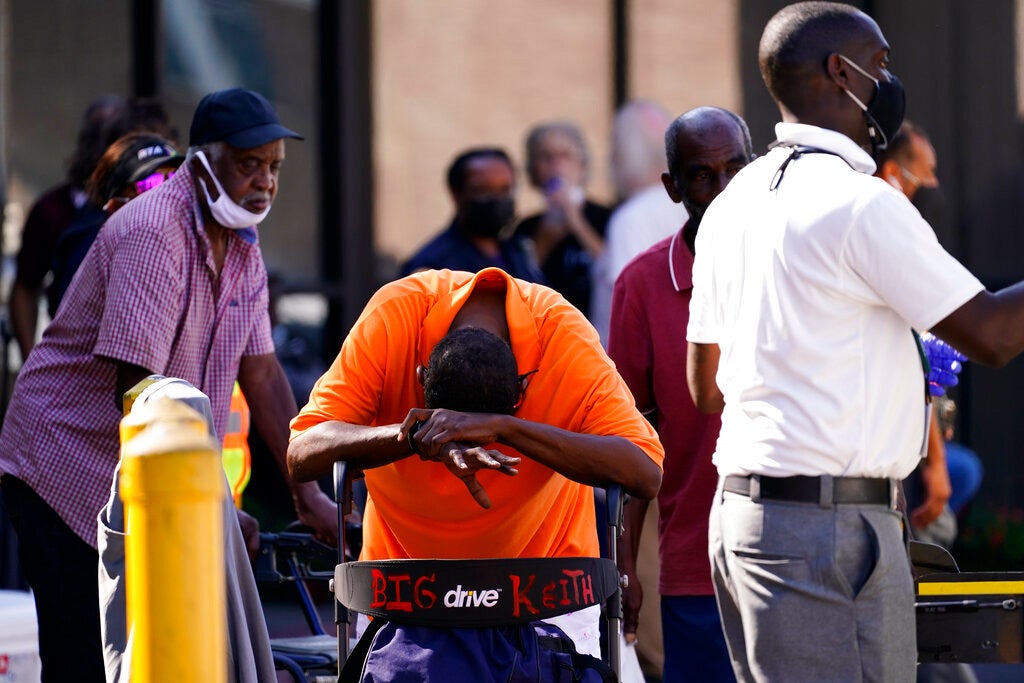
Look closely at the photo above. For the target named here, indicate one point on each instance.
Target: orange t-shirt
(418, 509)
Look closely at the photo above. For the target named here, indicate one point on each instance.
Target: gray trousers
(812, 593)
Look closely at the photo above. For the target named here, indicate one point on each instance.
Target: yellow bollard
(172, 486)
(128, 398)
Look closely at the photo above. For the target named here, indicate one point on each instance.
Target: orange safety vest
(235, 455)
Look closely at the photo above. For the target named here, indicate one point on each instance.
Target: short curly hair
(472, 371)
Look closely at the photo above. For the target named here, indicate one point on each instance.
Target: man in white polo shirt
(809, 277)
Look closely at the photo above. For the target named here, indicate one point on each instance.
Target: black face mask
(487, 217)
(884, 113)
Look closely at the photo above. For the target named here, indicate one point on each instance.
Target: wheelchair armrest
(615, 499)
(290, 556)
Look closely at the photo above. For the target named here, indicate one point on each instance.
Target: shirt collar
(828, 140)
(680, 261)
(522, 324)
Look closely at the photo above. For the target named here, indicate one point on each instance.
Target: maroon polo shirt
(647, 341)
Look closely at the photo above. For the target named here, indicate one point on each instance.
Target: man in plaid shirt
(173, 285)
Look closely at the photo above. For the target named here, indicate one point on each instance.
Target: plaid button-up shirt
(146, 294)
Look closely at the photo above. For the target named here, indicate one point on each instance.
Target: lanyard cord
(798, 151)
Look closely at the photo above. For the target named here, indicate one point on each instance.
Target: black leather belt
(823, 490)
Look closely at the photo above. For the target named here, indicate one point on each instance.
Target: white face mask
(225, 211)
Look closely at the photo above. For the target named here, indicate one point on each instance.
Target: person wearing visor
(809, 279)
(175, 285)
(133, 164)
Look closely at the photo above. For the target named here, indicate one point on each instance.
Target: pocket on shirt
(234, 330)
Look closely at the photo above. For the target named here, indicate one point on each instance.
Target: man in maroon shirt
(705, 147)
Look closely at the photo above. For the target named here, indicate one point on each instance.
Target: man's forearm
(24, 307)
(587, 458)
(313, 452)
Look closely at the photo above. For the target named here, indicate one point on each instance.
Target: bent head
(705, 148)
(473, 371)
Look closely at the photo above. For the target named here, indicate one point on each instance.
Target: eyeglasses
(522, 389)
(152, 180)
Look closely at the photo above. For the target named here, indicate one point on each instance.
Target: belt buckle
(755, 488)
(826, 491)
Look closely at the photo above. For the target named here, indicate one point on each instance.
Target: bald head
(705, 148)
(799, 39)
(689, 129)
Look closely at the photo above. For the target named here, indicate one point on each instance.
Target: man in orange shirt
(529, 474)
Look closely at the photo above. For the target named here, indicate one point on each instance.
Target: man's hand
(632, 600)
(317, 511)
(935, 478)
(441, 426)
(456, 440)
(465, 460)
(250, 532)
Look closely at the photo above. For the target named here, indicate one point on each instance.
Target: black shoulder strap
(352, 669)
(474, 593)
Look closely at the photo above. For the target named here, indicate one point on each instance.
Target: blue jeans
(62, 570)
(694, 643)
(965, 474)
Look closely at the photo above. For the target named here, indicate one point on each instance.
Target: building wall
(447, 76)
(451, 75)
(683, 53)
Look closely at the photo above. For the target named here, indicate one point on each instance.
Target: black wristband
(411, 433)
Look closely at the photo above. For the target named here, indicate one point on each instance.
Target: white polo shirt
(811, 290)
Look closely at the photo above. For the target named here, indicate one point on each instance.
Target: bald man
(705, 149)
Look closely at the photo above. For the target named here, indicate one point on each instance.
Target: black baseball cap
(239, 117)
(145, 155)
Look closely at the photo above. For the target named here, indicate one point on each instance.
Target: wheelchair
(539, 588)
(292, 557)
